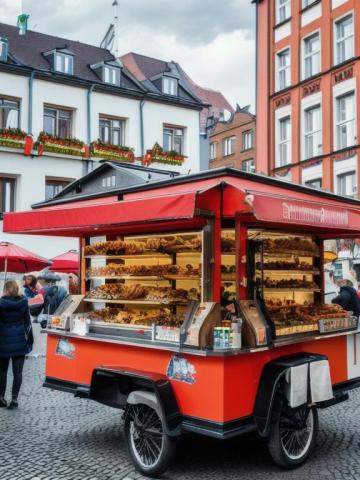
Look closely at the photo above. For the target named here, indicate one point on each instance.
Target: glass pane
(59, 63)
(49, 124)
(104, 133)
(10, 118)
(178, 144)
(116, 137)
(64, 128)
(167, 140)
(64, 114)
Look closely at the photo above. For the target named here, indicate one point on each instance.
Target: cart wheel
(150, 448)
(293, 434)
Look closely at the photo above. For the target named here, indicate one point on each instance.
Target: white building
(77, 91)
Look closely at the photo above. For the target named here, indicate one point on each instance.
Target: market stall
(191, 284)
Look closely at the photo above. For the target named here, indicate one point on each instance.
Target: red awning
(291, 211)
(74, 220)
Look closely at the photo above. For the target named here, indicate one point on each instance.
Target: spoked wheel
(293, 435)
(150, 448)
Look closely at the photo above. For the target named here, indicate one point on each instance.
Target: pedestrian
(30, 286)
(16, 339)
(53, 294)
(348, 297)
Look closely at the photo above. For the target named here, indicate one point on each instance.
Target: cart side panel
(242, 373)
(202, 399)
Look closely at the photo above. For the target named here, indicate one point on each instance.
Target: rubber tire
(166, 458)
(275, 447)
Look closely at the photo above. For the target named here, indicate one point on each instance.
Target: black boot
(3, 403)
(13, 404)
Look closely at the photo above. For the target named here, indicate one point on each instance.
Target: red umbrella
(68, 262)
(19, 260)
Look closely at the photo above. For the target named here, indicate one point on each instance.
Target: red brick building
(232, 142)
(308, 102)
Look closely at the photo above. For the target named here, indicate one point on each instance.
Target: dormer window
(170, 86)
(3, 49)
(64, 63)
(111, 75)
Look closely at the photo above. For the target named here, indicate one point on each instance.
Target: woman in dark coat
(15, 339)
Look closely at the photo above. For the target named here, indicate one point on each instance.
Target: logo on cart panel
(65, 349)
(322, 216)
(181, 370)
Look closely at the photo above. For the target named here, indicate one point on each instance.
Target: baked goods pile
(116, 270)
(162, 295)
(290, 244)
(132, 316)
(157, 244)
(227, 243)
(289, 283)
(290, 317)
(285, 265)
(114, 247)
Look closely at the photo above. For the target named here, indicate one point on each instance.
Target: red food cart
(202, 310)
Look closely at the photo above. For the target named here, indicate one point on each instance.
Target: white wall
(156, 115)
(17, 86)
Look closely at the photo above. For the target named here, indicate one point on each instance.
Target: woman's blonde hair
(11, 288)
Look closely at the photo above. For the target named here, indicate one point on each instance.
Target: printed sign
(181, 370)
(322, 216)
(65, 349)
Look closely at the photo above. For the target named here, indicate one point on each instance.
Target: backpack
(51, 300)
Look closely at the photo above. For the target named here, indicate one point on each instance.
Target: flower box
(63, 146)
(157, 155)
(111, 152)
(12, 138)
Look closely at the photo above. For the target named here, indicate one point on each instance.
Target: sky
(213, 40)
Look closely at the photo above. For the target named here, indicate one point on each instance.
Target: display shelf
(294, 289)
(143, 256)
(284, 254)
(136, 302)
(289, 272)
(131, 326)
(144, 277)
(228, 253)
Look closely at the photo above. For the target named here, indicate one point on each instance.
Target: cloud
(213, 40)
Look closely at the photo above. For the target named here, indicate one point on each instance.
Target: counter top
(145, 343)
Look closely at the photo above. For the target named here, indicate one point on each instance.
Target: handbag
(29, 334)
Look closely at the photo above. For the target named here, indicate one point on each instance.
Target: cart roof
(185, 201)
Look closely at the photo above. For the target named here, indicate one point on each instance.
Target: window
(111, 75)
(54, 187)
(64, 63)
(312, 132)
(283, 10)
(108, 182)
(346, 184)
(284, 141)
(173, 140)
(57, 122)
(9, 113)
(345, 121)
(311, 55)
(3, 49)
(307, 3)
(247, 140)
(7, 194)
(316, 183)
(344, 39)
(284, 69)
(212, 151)
(248, 165)
(169, 85)
(228, 146)
(112, 131)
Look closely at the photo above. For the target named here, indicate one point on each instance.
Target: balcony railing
(157, 155)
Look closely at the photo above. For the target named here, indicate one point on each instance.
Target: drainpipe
(31, 83)
(142, 103)
(88, 115)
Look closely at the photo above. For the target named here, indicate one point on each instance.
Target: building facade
(308, 102)
(232, 142)
(65, 106)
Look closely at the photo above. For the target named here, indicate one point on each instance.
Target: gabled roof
(215, 99)
(33, 49)
(149, 72)
(128, 175)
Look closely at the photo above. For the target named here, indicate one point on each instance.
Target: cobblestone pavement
(56, 436)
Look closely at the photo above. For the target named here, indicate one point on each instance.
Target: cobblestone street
(56, 436)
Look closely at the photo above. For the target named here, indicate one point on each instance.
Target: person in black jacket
(15, 339)
(348, 297)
